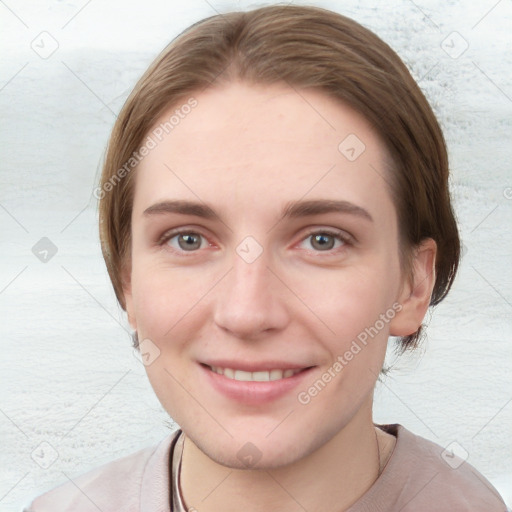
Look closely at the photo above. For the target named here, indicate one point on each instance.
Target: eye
(188, 241)
(323, 241)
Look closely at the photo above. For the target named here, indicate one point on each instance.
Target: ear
(416, 291)
(128, 297)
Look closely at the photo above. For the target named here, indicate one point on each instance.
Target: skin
(246, 152)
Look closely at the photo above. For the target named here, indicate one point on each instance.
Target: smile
(259, 376)
(257, 383)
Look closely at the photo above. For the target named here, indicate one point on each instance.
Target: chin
(255, 454)
(257, 446)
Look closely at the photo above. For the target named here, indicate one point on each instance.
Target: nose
(251, 300)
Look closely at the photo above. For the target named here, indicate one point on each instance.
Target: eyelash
(344, 238)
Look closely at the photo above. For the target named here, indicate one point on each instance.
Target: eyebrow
(296, 209)
(293, 209)
(183, 207)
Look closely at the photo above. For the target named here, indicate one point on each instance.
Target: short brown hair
(304, 47)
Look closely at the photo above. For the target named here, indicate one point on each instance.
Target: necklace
(380, 468)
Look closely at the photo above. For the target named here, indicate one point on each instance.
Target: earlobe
(416, 293)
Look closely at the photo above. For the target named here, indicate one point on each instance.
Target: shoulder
(123, 484)
(423, 476)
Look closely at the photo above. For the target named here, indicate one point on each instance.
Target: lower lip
(252, 392)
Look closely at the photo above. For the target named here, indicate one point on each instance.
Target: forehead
(262, 145)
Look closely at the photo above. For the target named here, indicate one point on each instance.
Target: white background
(69, 378)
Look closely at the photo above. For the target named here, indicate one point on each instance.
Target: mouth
(254, 386)
(257, 376)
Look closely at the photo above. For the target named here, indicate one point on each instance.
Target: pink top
(420, 476)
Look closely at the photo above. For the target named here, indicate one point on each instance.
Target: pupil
(188, 242)
(324, 241)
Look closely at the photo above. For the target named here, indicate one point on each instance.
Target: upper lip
(251, 366)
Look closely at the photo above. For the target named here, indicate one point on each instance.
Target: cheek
(152, 307)
(357, 309)
(348, 302)
(163, 297)
(167, 308)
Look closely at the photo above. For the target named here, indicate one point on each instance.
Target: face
(265, 276)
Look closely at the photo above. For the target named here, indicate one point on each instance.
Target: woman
(274, 205)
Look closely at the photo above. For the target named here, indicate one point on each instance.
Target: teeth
(261, 376)
(241, 375)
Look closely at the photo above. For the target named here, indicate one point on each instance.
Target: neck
(331, 478)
